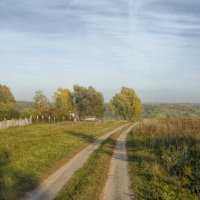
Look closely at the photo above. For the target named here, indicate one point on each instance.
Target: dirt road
(117, 185)
(49, 189)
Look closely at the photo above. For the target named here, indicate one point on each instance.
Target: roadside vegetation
(88, 182)
(28, 154)
(164, 159)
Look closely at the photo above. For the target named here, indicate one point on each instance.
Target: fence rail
(14, 123)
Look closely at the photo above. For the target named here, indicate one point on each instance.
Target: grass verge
(28, 154)
(164, 157)
(89, 181)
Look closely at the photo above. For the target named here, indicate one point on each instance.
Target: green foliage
(88, 102)
(7, 104)
(63, 102)
(8, 111)
(41, 104)
(27, 112)
(152, 110)
(108, 114)
(20, 105)
(126, 104)
(31, 152)
(6, 95)
(164, 159)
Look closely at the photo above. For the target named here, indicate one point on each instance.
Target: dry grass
(165, 158)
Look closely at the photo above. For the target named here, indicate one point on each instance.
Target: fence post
(37, 118)
(54, 119)
(5, 122)
(12, 123)
(30, 120)
(20, 121)
(49, 119)
(42, 119)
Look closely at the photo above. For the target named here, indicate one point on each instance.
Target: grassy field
(164, 159)
(28, 154)
(89, 181)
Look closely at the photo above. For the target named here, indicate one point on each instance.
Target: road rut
(50, 187)
(117, 185)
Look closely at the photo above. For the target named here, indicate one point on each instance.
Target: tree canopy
(126, 104)
(63, 102)
(88, 101)
(7, 103)
(41, 104)
(6, 95)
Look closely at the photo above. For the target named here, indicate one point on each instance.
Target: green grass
(88, 182)
(164, 157)
(28, 154)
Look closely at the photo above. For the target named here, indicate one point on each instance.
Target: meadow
(29, 154)
(164, 159)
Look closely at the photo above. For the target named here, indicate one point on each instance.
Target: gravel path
(117, 185)
(50, 187)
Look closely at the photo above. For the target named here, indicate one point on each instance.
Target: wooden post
(5, 122)
(49, 119)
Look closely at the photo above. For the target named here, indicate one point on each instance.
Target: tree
(6, 95)
(27, 112)
(7, 103)
(8, 111)
(126, 104)
(88, 102)
(63, 102)
(41, 104)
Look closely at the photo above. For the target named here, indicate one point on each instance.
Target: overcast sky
(150, 45)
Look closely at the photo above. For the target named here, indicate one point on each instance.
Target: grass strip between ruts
(89, 181)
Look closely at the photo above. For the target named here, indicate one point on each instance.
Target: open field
(28, 154)
(164, 159)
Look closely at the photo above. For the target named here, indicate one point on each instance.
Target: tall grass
(165, 158)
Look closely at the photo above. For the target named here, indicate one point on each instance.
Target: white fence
(13, 123)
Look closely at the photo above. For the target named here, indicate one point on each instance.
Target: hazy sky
(150, 45)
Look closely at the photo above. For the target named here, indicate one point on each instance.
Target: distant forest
(166, 110)
(150, 110)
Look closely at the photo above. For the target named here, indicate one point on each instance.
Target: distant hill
(24, 104)
(164, 109)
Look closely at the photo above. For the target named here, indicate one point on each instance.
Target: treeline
(66, 104)
(152, 110)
